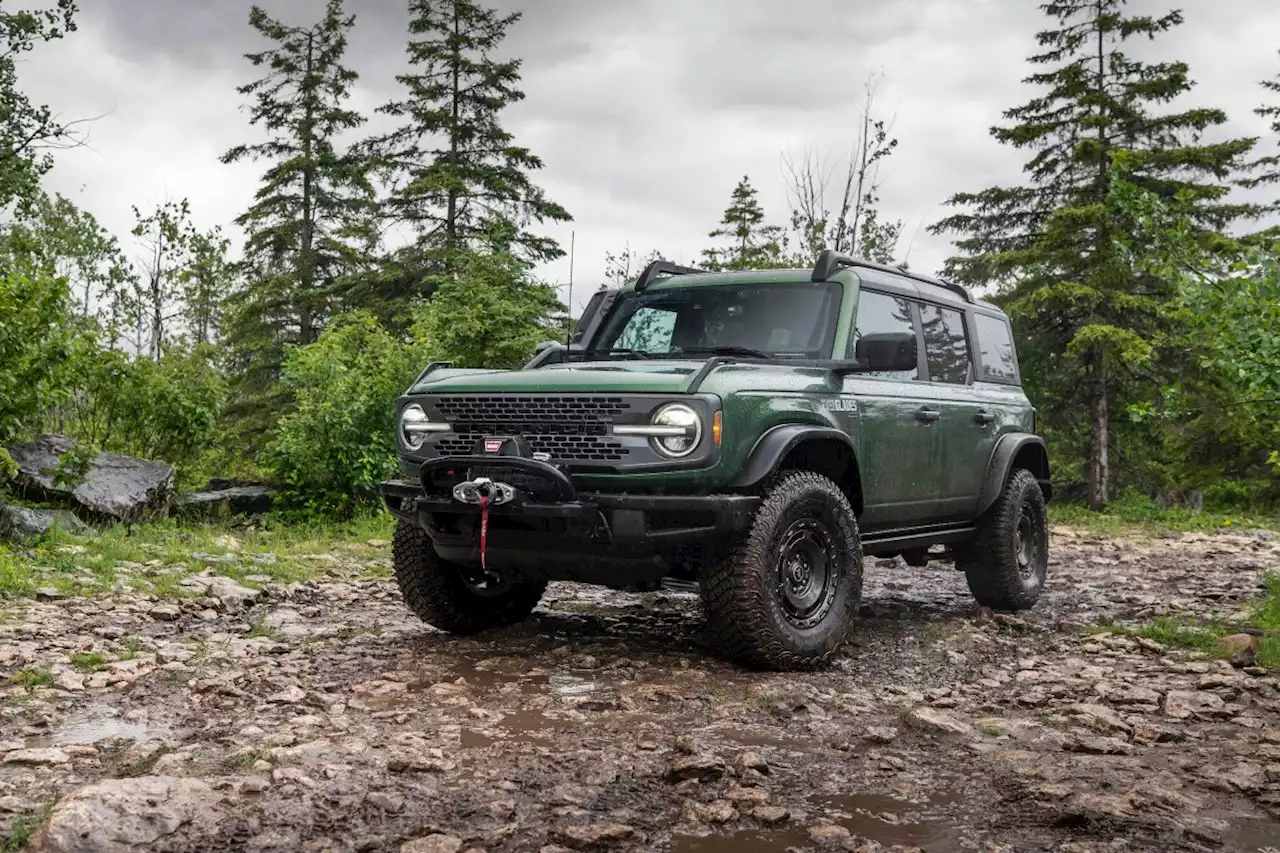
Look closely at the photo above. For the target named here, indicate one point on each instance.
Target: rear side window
(879, 313)
(946, 348)
(995, 345)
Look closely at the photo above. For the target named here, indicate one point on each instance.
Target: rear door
(964, 423)
(897, 447)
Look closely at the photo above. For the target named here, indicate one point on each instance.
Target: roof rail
(658, 268)
(830, 261)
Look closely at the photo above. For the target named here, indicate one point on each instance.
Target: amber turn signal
(716, 428)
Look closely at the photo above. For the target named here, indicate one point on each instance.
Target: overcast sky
(646, 112)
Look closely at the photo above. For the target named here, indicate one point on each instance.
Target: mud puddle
(98, 723)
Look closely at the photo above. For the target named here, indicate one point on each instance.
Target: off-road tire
(744, 592)
(438, 593)
(997, 577)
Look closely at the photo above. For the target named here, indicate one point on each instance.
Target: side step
(897, 541)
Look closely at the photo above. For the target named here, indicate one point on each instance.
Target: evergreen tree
(458, 179)
(1088, 319)
(1267, 168)
(205, 283)
(753, 244)
(308, 226)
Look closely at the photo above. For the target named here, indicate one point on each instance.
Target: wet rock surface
(122, 488)
(321, 716)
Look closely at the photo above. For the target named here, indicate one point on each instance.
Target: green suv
(759, 433)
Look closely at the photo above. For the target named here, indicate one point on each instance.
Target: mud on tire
(440, 595)
(1007, 565)
(786, 596)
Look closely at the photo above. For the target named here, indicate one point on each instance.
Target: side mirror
(887, 351)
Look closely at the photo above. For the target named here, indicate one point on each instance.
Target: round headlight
(413, 421)
(678, 415)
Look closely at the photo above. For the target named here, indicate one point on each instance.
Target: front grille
(567, 428)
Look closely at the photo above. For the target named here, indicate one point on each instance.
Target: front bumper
(551, 521)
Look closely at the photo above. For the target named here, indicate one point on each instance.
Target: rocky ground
(320, 716)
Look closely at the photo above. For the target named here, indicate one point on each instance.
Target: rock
(433, 844)
(597, 835)
(753, 761)
(165, 612)
(880, 734)
(72, 682)
(36, 756)
(770, 814)
(704, 768)
(829, 833)
(938, 722)
(1100, 718)
(1098, 746)
(124, 488)
(390, 803)
(1243, 649)
(20, 524)
(1183, 704)
(232, 595)
(49, 593)
(125, 815)
(417, 764)
(221, 504)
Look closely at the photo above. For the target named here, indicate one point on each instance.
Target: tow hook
(483, 490)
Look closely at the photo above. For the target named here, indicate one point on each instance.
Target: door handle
(927, 415)
(984, 417)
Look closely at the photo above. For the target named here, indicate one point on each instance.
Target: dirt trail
(322, 717)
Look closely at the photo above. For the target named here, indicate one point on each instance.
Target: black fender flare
(772, 447)
(999, 468)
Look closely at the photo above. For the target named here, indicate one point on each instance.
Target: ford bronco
(757, 432)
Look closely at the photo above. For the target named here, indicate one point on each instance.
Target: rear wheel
(452, 598)
(1007, 565)
(786, 596)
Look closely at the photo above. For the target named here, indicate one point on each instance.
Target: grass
(89, 661)
(21, 827)
(155, 558)
(1206, 637)
(1132, 515)
(32, 678)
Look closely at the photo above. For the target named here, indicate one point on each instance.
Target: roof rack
(658, 268)
(830, 261)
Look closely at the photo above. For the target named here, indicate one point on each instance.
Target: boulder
(21, 524)
(123, 488)
(126, 815)
(228, 502)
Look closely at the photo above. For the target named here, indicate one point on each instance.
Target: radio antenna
(568, 334)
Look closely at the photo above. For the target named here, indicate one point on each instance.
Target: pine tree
(1267, 169)
(308, 226)
(458, 179)
(1088, 320)
(205, 283)
(753, 244)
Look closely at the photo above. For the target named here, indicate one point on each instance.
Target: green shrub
(339, 442)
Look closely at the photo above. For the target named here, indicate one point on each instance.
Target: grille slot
(567, 428)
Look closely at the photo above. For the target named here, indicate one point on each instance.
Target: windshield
(763, 320)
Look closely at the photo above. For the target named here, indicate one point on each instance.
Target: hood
(658, 376)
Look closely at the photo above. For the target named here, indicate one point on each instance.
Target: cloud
(645, 113)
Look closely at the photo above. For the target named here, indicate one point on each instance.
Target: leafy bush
(491, 315)
(34, 345)
(166, 409)
(339, 442)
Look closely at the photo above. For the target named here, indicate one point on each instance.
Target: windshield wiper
(615, 351)
(745, 352)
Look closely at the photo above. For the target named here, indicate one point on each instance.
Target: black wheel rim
(1028, 543)
(808, 572)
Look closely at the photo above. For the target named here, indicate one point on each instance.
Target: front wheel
(442, 594)
(786, 596)
(1006, 566)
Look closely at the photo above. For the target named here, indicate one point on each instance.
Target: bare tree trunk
(1099, 466)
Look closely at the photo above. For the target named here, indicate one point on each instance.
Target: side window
(995, 343)
(879, 313)
(946, 349)
(648, 330)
